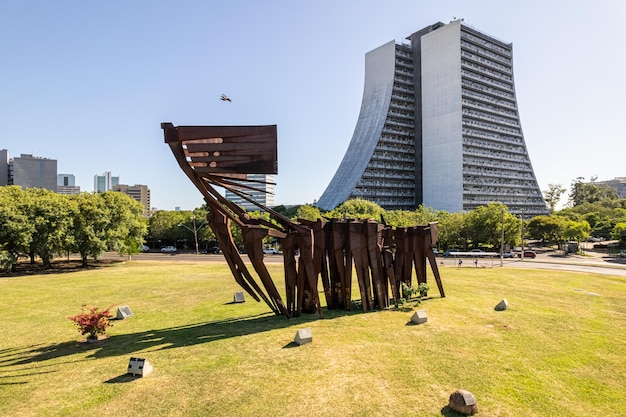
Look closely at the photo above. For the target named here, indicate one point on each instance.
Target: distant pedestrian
(475, 262)
(460, 263)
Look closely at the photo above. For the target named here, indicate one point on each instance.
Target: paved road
(592, 262)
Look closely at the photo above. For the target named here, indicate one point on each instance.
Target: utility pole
(502, 241)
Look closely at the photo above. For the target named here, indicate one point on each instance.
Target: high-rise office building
(261, 191)
(139, 192)
(30, 171)
(4, 167)
(439, 126)
(66, 184)
(104, 182)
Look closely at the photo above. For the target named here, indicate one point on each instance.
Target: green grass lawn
(557, 351)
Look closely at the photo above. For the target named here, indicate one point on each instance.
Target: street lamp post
(195, 231)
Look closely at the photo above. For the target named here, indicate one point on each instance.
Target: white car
(622, 253)
(270, 251)
(169, 249)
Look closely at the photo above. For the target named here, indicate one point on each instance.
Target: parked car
(435, 251)
(477, 252)
(622, 253)
(450, 252)
(527, 254)
(212, 249)
(169, 249)
(507, 254)
(270, 251)
(145, 248)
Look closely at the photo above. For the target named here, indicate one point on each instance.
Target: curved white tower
(439, 126)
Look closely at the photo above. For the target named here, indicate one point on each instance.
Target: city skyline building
(66, 184)
(139, 192)
(28, 171)
(105, 182)
(261, 191)
(439, 126)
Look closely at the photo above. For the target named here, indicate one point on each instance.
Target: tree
(357, 209)
(15, 229)
(450, 227)
(547, 228)
(577, 230)
(127, 227)
(553, 195)
(619, 232)
(590, 192)
(91, 219)
(483, 225)
(308, 212)
(50, 214)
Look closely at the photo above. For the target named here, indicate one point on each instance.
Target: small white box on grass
(139, 366)
(303, 336)
(419, 317)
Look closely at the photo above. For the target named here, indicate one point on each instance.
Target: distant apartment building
(104, 182)
(28, 171)
(66, 184)
(140, 193)
(262, 187)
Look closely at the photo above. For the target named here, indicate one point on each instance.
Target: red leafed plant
(92, 321)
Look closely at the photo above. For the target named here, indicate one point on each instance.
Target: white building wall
(442, 141)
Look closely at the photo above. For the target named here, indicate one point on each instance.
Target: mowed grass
(557, 351)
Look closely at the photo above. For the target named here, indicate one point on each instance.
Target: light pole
(522, 217)
(195, 231)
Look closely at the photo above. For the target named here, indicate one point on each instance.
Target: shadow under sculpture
(383, 257)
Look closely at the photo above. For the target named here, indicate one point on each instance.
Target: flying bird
(224, 98)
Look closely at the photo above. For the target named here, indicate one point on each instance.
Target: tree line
(36, 222)
(41, 223)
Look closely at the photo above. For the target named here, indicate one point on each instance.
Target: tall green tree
(127, 226)
(590, 192)
(15, 228)
(553, 195)
(49, 212)
(91, 220)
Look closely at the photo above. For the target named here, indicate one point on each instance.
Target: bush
(92, 322)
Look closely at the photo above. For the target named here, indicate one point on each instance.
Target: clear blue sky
(88, 83)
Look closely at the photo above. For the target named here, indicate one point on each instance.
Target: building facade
(262, 187)
(29, 171)
(140, 193)
(104, 182)
(439, 126)
(66, 184)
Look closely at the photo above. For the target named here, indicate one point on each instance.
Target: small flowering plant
(92, 321)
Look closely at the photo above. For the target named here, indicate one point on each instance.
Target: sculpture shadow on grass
(36, 356)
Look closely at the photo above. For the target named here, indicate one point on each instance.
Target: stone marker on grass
(238, 297)
(303, 336)
(123, 312)
(463, 402)
(139, 366)
(419, 317)
(502, 305)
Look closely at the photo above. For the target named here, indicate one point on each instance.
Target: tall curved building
(439, 126)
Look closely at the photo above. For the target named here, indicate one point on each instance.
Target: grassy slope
(557, 350)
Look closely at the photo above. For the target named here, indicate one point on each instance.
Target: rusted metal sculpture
(382, 257)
